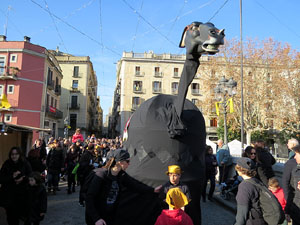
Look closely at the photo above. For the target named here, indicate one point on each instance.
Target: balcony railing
(9, 73)
(54, 113)
(174, 91)
(156, 90)
(75, 106)
(74, 89)
(139, 90)
(139, 74)
(158, 74)
(176, 75)
(196, 92)
(134, 107)
(58, 90)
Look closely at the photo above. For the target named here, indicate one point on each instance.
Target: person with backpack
(224, 161)
(256, 205)
(291, 186)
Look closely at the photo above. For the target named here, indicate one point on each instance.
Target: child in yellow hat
(175, 215)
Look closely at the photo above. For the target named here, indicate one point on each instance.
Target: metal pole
(242, 78)
(225, 121)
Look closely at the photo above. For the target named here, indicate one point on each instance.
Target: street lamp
(225, 90)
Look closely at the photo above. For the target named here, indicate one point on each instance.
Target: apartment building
(141, 76)
(27, 113)
(78, 94)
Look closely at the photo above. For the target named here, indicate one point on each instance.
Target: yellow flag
(4, 102)
(217, 108)
(230, 102)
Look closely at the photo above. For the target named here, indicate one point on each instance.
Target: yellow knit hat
(174, 169)
(176, 198)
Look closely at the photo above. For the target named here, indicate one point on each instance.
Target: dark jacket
(210, 164)
(100, 189)
(71, 161)
(35, 160)
(55, 160)
(86, 164)
(12, 194)
(38, 202)
(248, 209)
(264, 165)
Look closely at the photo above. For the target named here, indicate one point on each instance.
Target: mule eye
(213, 32)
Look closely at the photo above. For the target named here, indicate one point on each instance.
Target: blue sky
(103, 29)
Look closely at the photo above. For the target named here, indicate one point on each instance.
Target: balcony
(75, 106)
(156, 91)
(58, 90)
(9, 73)
(74, 89)
(176, 75)
(50, 84)
(134, 107)
(139, 74)
(54, 113)
(174, 91)
(158, 74)
(196, 92)
(139, 90)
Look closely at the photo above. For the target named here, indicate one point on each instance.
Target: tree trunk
(248, 136)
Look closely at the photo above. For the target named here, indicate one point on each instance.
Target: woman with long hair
(14, 186)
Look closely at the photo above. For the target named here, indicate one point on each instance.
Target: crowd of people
(98, 167)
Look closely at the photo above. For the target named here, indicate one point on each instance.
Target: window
(73, 121)
(52, 102)
(7, 117)
(76, 71)
(1, 89)
(195, 101)
(50, 74)
(213, 122)
(137, 70)
(13, 57)
(176, 72)
(10, 89)
(74, 99)
(174, 87)
(75, 84)
(136, 101)
(156, 86)
(55, 103)
(156, 71)
(137, 86)
(195, 88)
(2, 64)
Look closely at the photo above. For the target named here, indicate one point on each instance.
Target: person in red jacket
(77, 136)
(278, 192)
(175, 215)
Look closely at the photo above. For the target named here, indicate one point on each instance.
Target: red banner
(52, 109)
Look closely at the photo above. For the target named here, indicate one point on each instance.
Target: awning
(18, 127)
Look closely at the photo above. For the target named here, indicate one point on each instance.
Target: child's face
(273, 188)
(32, 181)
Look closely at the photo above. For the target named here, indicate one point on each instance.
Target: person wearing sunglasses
(105, 188)
(250, 153)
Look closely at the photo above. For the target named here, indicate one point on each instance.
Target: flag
(217, 108)
(4, 102)
(230, 102)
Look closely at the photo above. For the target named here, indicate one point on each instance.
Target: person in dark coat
(86, 165)
(14, 187)
(291, 186)
(247, 198)
(71, 161)
(55, 165)
(210, 172)
(105, 188)
(264, 165)
(38, 199)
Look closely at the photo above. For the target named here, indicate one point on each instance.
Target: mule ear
(182, 41)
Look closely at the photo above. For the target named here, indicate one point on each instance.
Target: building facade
(141, 76)
(24, 68)
(78, 94)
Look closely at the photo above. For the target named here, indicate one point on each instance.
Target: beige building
(78, 94)
(141, 76)
(53, 113)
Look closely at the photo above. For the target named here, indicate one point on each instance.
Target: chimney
(27, 39)
(2, 38)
